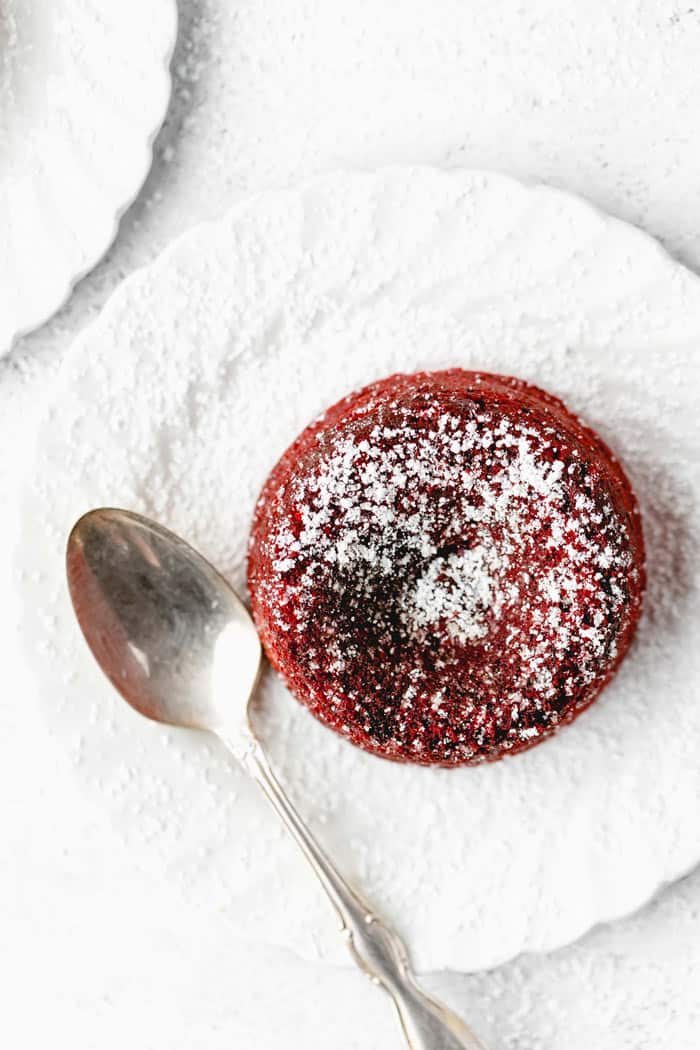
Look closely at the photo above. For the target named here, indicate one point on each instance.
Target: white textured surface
(254, 325)
(596, 98)
(84, 87)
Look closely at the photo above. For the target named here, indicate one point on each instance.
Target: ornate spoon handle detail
(377, 950)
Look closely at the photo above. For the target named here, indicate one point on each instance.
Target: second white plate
(84, 87)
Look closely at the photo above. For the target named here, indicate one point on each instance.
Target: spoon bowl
(167, 630)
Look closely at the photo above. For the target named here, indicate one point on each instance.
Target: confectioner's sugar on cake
(457, 590)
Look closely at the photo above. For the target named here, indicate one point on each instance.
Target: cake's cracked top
(447, 566)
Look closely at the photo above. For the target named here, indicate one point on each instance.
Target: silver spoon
(177, 643)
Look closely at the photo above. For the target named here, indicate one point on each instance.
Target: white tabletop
(596, 98)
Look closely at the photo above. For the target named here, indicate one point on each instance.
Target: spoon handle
(377, 950)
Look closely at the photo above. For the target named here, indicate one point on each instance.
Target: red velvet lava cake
(446, 567)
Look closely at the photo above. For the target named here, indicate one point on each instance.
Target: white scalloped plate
(84, 87)
(177, 401)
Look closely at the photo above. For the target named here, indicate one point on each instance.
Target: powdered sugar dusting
(457, 591)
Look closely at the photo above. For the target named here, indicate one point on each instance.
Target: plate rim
(19, 329)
